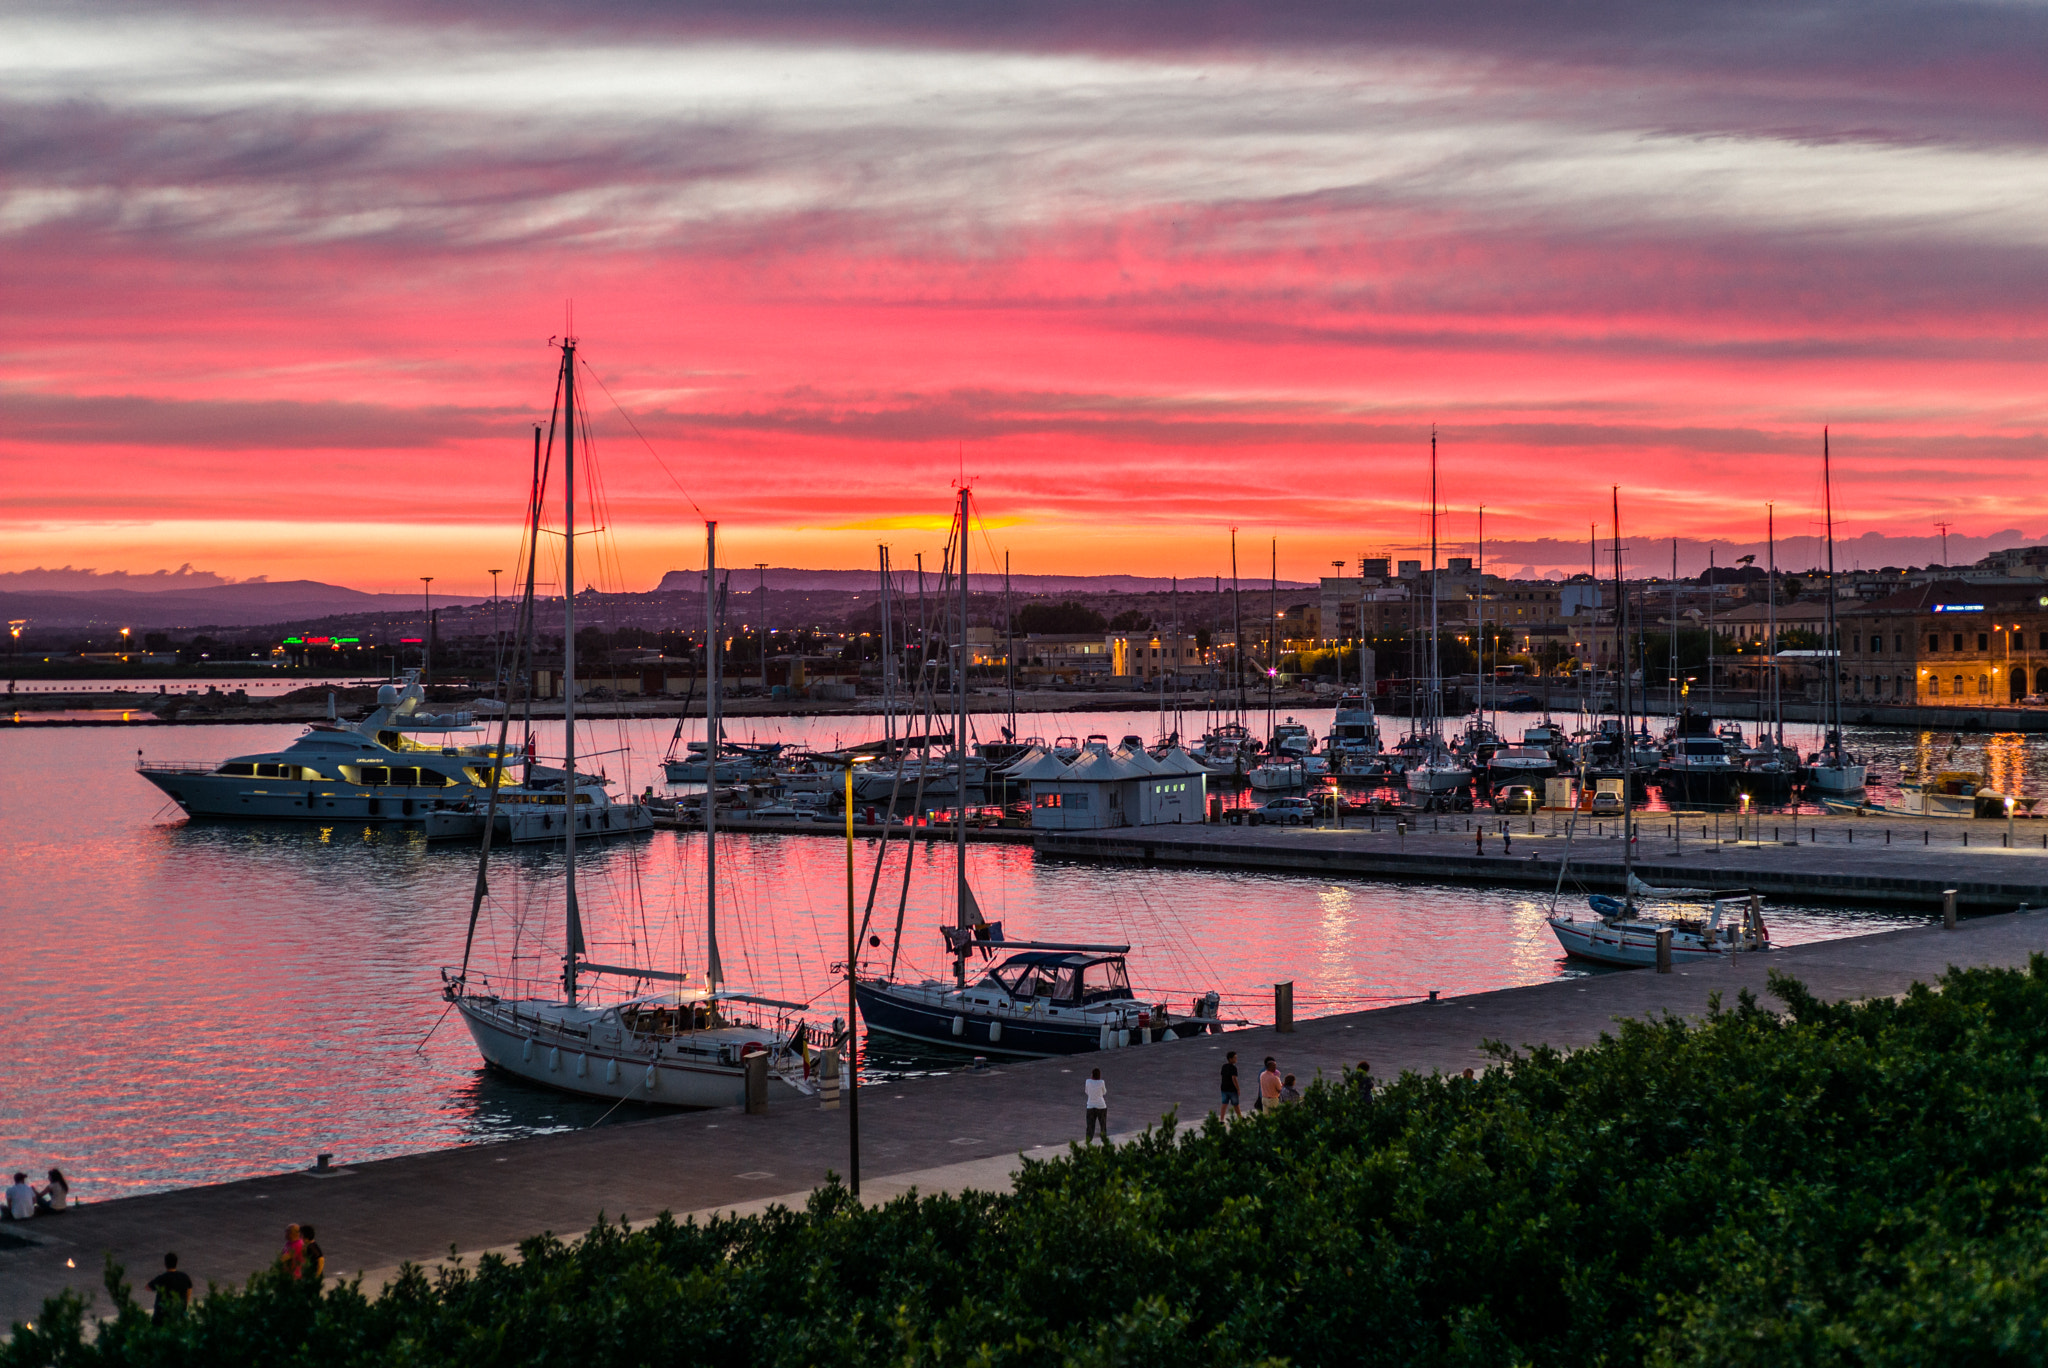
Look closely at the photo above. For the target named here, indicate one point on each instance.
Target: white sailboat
(670, 1038)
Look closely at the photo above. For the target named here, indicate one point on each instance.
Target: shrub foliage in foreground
(1846, 1184)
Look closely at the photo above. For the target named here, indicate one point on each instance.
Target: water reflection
(190, 1002)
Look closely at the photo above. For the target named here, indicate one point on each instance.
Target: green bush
(1841, 1184)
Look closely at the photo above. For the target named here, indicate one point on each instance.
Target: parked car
(1516, 798)
(1283, 812)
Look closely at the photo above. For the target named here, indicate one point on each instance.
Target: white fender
(555, 1059)
(649, 1084)
(1123, 1038)
(959, 1025)
(1103, 1043)
(995, 1031)
(526, 1050)
(583, 1066)
(611, 1071)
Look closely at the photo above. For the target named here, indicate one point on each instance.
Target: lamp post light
(124, 644)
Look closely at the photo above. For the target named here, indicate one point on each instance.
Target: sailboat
(1619, 933)
(686, 1043)
(1436, 771)
(1045, 997)
(1831, 770)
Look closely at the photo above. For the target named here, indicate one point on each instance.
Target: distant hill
(225, 605)
(864, 581)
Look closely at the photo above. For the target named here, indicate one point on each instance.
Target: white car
(1283, 812)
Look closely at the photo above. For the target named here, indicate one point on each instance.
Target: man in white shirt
(1098, 1106)
(21, 1200)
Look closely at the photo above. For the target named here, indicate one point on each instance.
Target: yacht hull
(1600, 943)
(679, 1076)
(1435, 779)
(909, 1017)
(530, 825)
(296, 800)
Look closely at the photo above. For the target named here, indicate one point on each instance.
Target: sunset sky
(280, 280)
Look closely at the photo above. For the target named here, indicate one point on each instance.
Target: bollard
(1215, 810)
(324, 1163)
(1948, 909)
(1479, 841)
(756, 1065)
(1432, 994)
(1664, 950)
(828, 1078)
(1283, 1007)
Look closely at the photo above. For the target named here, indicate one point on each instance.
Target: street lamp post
(427, 636)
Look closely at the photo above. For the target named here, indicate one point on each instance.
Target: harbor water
(196, 1001)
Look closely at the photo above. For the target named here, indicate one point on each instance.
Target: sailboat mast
(1771, 559)
(714, 724)
(1622, 701)
(888, 666)
(1436, 702)
(1480, 686)
(1237, 625)
(960, 894)
(1827, 485)
(573, 941)
(1272, 630)
(1009, 651)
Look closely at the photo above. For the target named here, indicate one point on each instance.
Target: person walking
(1097, 1093)
(173, 1290)
(1229, 1106)
(1288, 1092)
(1269, 1086)
(294, 1255)
(1361, 1079)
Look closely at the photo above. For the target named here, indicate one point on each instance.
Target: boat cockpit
(1062, 978)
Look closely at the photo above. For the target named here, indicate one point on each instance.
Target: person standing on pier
(173, 1290)
(1229, 1106)
(1097, 1093)
(315, 1257)
(294, 1256)
(1269, 1086)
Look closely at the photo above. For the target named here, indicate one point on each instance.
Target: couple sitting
(22, 1201)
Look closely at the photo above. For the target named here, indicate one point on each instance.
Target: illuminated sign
(294, 641)
(348, 641)
(409, 641)
(1958, 607)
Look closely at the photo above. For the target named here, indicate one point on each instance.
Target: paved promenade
(936, 1133)
(1864, 860)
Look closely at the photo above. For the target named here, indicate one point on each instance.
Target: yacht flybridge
(1045, 997)
(672, 1038)
(393, 766)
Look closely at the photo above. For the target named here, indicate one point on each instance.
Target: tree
(1130, 620)
(1059, 619)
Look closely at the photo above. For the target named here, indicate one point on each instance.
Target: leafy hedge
(1844, 1184)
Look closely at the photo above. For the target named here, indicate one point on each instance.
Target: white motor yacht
(390, 767)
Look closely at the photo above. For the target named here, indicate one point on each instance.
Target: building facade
(1947, 644)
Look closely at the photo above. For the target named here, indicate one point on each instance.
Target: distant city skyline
(281, 282)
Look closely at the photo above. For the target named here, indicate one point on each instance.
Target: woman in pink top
(294, 1256)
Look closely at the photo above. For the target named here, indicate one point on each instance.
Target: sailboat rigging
(688, 1044)
(1046, 997)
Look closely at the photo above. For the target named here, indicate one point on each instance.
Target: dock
(1862, 860)
(940, 1133)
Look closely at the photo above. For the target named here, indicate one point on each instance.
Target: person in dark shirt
(1229, 1106)
(316, 1259)
(1361, 1079)
(173, 1289)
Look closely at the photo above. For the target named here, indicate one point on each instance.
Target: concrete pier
(1864, 860)
(965, 1128)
